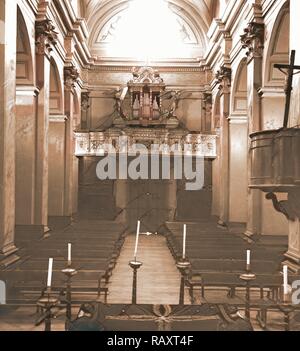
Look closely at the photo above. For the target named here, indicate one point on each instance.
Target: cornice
(128, 69)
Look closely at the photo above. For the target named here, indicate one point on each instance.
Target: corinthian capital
(253, 39)
(223, 77)
(85, 101)
(45, 36)
(71, 76)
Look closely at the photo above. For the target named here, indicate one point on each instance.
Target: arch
(277, 48)
(56, 91)
(24, 72)
(239, 89)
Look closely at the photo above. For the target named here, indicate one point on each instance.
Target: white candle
(184, 242)
(285, 280)
(248, 257)
(137, 238)
(50, 268)
(69, 253)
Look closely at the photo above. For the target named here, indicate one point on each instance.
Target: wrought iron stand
(135, 265)
(47, 303)
(248, 277)
(183, 265)
(69, 273)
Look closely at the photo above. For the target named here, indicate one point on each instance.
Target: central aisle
(158, 278)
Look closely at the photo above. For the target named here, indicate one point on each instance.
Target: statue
(117, 116)
(174, 96)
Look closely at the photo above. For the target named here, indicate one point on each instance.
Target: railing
(155, 140)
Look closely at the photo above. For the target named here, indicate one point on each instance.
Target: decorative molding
(25, 90)
(45, 37)
(58, 118)
(253, 40)
(145, 74)
(96, 143)
(116, 68)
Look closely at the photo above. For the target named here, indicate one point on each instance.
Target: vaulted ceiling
(205, 8)
(194, 18)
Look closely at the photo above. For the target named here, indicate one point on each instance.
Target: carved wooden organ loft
(144, 93)
(141, 115)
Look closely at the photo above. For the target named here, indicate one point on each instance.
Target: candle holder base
(135, 264)
(48, 302)
(248, 276)
(183, 264)
(69, 271)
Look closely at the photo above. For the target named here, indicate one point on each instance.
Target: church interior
(85, 234)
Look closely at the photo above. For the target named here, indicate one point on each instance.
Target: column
(71, 75)
(253, 40)
(45, 41)
(224, 80)
(8, 20)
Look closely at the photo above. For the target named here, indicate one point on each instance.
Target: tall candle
(69, 254)
(248, 257)
(184, 242)
(50, 269)
(285, 280)
(137, 238)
